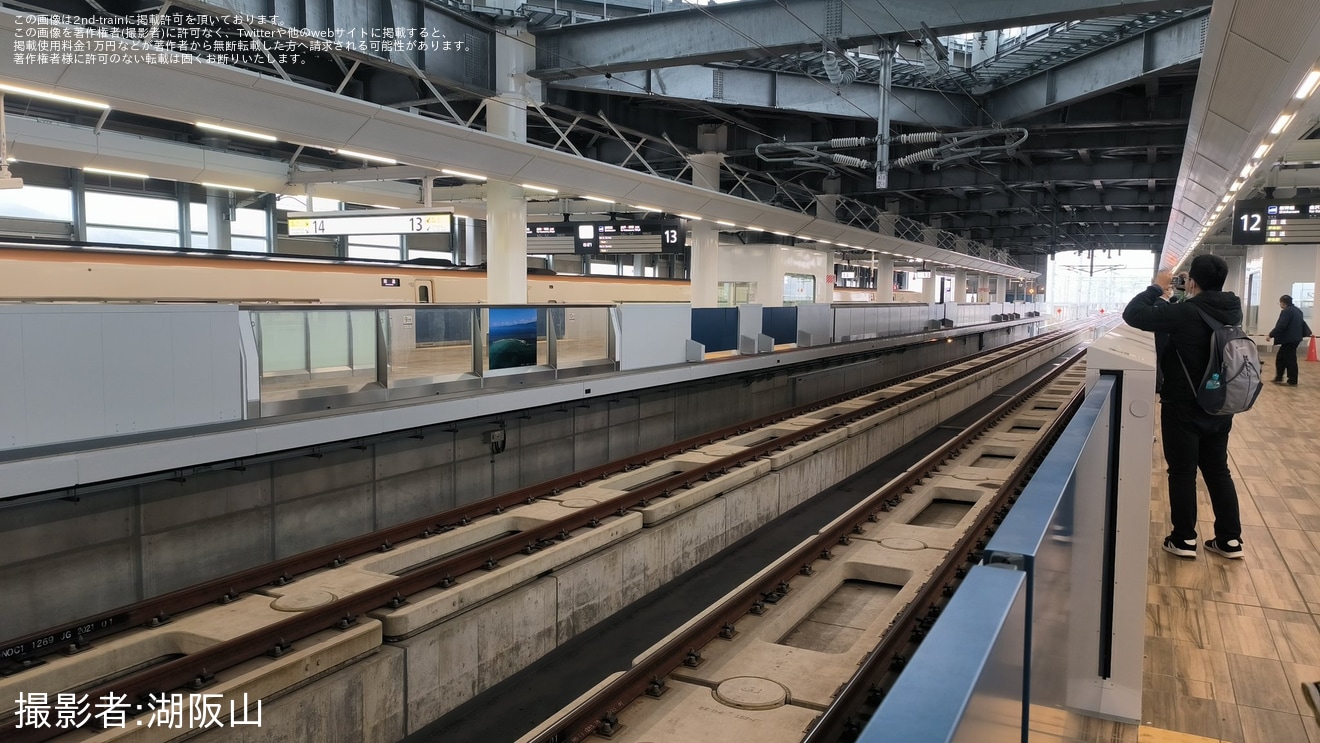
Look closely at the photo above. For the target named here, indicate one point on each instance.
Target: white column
(930, 288)
(960, 286)
(506, 243)
(218, 203)
(705, 237)
(506, 208)
(997, 293)
(884, 282)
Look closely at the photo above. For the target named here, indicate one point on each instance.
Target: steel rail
(22, 652)
(602, 708)
(197, 669)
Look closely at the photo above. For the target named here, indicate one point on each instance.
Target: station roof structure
(1140, 116)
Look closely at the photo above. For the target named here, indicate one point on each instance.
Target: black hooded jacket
(1188, 335)
(1291, 326)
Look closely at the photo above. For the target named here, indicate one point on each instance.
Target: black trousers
(1286, 361)
(1194, 439)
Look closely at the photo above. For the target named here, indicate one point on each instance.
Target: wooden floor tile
(1229, 642)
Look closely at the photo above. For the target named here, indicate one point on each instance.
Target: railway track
(606, 710)
(194, 670)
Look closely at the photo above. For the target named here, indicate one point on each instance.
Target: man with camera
(1193, 439)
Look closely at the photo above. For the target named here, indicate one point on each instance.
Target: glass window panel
(629, 269)
(249, 222)
(384, 254)
(198, 219)
(201, 241)
(132, 237)
(603, 269)
(37, 202)
(430, 254)
(248, 244)
(132, 211)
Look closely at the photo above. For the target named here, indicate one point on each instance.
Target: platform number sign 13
(1249, 221)
(673, 236)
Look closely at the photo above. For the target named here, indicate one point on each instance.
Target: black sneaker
(1180, 547)
(1231, 548)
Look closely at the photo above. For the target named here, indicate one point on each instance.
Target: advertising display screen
(511, 341)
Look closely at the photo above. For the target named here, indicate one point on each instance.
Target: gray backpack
(1231, 380)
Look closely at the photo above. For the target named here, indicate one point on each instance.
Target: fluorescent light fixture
(602, 200)
(223, 187)
(463, 174)
(1260, 152)
(1227, 198)
(382, 206)
(726, 224)
(235, 132)
(645, 208)
(781, 234)
(1246, 170)
(754, 228)
(365, 156)
(53, 96)
(124, 173)
(1281, 123)
(1237, 185)
(542, 189)
(1308, 85)
(693, 217)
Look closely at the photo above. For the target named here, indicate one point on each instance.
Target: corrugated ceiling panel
(1221, 141)
(1239, 93)
(1264, 29)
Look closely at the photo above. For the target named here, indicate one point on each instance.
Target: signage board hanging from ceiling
(1276, 221)
(590, 238)
(370, 222)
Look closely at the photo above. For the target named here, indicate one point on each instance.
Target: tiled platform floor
(1228, 642)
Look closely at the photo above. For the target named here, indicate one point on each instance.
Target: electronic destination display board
(596, 237)
(1276, 221)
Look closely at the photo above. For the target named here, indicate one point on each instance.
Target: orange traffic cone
(1310, 355)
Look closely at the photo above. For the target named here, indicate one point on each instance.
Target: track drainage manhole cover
(903, 544)
(751, 692)
(302, 601)
(578, 502)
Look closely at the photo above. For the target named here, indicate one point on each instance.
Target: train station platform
(1228, 643)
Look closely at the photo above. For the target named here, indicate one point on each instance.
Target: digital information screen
(1276, 221)
(596, 237)
(389, 222)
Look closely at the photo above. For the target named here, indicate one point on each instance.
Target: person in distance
(1288, 333)
(1192, 437)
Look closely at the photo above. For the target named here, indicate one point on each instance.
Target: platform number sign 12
(1249, 221)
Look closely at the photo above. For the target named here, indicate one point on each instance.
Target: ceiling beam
(767, 28)
(1114, 67)
(766, 89)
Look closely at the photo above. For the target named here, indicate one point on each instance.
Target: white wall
(767, 264)
(1281, 265)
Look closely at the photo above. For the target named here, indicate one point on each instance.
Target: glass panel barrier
(328, 339)
(282, 338)
(430, 345)
(363, 330)
(582, 335)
